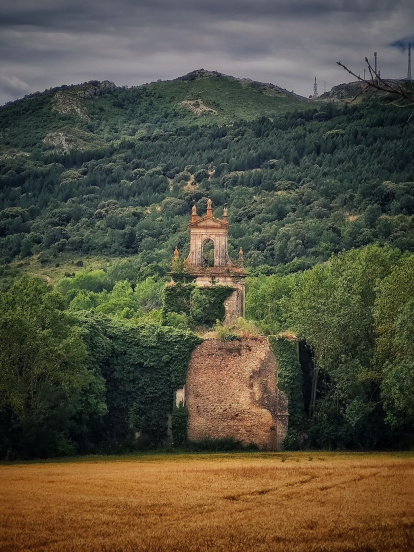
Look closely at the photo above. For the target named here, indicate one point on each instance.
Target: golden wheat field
(241, 502)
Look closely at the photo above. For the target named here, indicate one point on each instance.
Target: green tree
(332, 310)
(394, 317)
(267, 300)
(43, 374)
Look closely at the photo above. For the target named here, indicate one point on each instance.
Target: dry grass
(245, 329)
(290, 502)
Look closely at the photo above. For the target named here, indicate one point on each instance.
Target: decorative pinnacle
(225, 211)
(209, 208)
(194, 215)
(176, 254)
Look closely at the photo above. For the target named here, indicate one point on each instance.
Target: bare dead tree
(376, 82)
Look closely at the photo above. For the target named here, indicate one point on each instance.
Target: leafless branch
(378, 83)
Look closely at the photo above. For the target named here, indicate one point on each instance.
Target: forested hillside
(98, 170)
(97, 185)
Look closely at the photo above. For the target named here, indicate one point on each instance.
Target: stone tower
(209, 261)
(231, 387)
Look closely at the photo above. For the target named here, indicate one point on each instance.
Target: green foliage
(267, 300)
(83, 384)
(44, 380)
(99, 383)
(225, 333)
(177, 298)
(294, 440)
(332, 309)
(97, 290)
(95, 281)
(300, 186)
(393, 308)
(290, 380)
(180, 272)
(207, 304)
(394, 315)
(134, 271)
(179, 420)
(355, 314)
(202, 306)
(175, 320)
(289, 374)
(397, 393)
(143, 367)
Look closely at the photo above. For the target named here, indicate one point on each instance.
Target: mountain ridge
(95, 87)
(70, 117)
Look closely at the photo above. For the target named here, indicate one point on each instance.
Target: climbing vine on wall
(285, 349)
(179, 420)
(207, 304)
(202, 306)
(177, 298)
(143, 366)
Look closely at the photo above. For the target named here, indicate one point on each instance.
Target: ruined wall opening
(208, 253)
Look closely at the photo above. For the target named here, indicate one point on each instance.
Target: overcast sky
(47, 43)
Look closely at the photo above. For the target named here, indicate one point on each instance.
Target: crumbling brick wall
(231, 392)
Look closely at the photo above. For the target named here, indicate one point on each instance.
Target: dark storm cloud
(402, 44)
(78, 14)
(287, 42)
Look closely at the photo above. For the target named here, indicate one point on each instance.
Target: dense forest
(321, 199)
(100, 177)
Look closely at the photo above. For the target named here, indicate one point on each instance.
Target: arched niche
(208, 253)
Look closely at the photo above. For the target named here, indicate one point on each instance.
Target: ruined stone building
(209, 261)
(231, 393)
(231, 389)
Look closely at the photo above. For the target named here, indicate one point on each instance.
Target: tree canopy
(44, 380)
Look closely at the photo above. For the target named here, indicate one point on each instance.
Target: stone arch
(211, 232)
(208, 253)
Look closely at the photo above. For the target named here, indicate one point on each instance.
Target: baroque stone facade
(231, 392)
(209, 261)
(231, 389)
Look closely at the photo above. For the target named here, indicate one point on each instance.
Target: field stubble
(293, 502)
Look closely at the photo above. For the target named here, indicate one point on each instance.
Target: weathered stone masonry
(223, 271)
(231, 389)
(231, 392)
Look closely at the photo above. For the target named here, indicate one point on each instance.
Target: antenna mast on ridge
(409, 62)
(315, 89)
